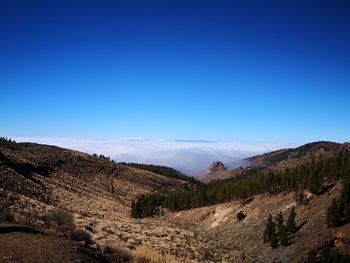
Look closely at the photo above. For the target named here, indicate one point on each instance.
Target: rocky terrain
(99, 194)
(218, 171)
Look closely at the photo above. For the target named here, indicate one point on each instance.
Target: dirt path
(112, 189)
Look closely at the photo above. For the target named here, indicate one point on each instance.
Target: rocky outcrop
(216, 171)
(217, 166)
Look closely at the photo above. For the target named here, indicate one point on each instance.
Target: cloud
(188, 156)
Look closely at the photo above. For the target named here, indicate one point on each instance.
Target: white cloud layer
(190, 157)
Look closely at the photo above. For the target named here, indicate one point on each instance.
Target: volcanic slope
(98, 192)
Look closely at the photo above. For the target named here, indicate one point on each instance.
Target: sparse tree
(333, 214)
(312, 256)
(314, 183)
(291, 221)
(282, 234)
(274, 237)
(268, 229)
(240, 215)
(279, 218)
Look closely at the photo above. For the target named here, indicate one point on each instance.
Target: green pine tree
(268, 229)
(282, 234)
(291, 221)
(314, 183)
(333, 214)
(325, 253)
(312, 256)
(274, 237)
(279, 218)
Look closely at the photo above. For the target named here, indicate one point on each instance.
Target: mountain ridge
(282, 158)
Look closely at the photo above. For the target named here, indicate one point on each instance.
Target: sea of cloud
(190, 157)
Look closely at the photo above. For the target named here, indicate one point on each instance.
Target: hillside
(294, 156)
(279, 159)
(98, 193)
(229, 240)
(101, 196)
(38, 170)
(309, 188)
(162, 170)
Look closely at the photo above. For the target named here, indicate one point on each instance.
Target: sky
(274, 72)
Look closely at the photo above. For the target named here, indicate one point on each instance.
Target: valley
(100, 196)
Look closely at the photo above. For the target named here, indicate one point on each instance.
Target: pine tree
(240, 215)
(347, 212)
(314, 183)
(291, 221)
(325, 253)
(279, 218)
(312, 257)
(274, 238)
(333, 214)
(282, 234)
(268, 229)
(345, 198)
(336, 256)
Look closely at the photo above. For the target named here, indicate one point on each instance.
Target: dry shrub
(61, 219)
(146, 254)
(113, 252)
(80, 235)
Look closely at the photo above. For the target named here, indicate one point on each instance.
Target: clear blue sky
(209, 70)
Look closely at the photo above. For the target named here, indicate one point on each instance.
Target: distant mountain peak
(217, 166)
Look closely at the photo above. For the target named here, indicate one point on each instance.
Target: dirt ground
(39, 248)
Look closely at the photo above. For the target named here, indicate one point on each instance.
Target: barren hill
(98, 192)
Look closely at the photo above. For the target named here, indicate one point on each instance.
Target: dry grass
(146, 254)
(114, 252)
(59, 217)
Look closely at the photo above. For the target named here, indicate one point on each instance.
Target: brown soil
(27, 247)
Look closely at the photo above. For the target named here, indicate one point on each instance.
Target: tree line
(312, 175)
(103, 157)
(162, 170)
(5, 139)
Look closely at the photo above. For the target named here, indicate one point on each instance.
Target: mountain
(294, 156)
(191, 222)
(246, 218)
(279, 159)
(96, 191)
